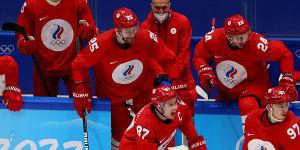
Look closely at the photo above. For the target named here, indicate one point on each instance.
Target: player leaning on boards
(155, 125)
(11, 96)
(176, 32)
(52, 26)
(239, 57)
(124, 58)
(274, 127)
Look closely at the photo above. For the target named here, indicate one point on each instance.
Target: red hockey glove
(206, 75)
(81, 99)
(12, 98)
(182, 90)
(26, 47)
(197, 143)
(87, 32)
(289, 83)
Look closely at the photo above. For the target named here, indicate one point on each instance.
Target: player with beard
(124, 60)
(155, 125)
(239, 57)
(274, 127)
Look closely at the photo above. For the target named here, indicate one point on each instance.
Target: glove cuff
(13, 88)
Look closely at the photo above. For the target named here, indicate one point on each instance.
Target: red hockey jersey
(281, 136)
(236, 68)
(122, 74)
(147, 132)
(55, 29)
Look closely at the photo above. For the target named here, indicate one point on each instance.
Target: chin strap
(271, 114)
(161, 113)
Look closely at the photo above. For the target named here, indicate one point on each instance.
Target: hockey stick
(213, 23)
(84, 116)
(17, 28)
(85, 133)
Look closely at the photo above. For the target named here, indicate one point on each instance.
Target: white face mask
(161, 17)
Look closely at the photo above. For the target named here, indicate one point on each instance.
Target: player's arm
(87, 29)
(294, 135)
(277, 51)
(202, 54)
(11, 96)
(80, 65)
(200, 60)
(26, 19)
(184, 49)
(196, 142)
(164, 56)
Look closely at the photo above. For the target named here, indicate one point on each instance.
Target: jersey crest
(57, 35)
(260, 144)
(127, 72)
(230, 73)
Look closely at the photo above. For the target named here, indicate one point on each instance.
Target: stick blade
(201, 92)
(9, 26)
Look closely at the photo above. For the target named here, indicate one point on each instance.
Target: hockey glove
(87, 32)
(289, 83)
(162, 79)
(197, 143)
(12, 98)
(182, 90)
(206, 76)
(27, 47)
(81, 99)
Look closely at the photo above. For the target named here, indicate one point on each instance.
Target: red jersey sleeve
(202, 53)
(85, 59)
(156, 68)
(164, 56)
(273, 51)
(9, 68)
(84, 12)
(187, 127)
(185, 35)
(26, 18)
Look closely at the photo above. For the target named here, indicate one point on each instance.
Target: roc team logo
(127, 72)
(57, 35)
(260, 145)
(230, 73)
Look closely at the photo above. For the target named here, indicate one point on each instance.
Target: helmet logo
(229, 23)
(173, 30)
(129, 17)
(118, 15)
(241, 23)
(153, 91)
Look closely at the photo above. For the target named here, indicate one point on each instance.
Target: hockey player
(274, 127)
(52, 26)
(11, 96)
(239, 58)
(156, 124)
(124, 58)
(176, 32)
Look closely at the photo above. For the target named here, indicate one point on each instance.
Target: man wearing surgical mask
(176, 32)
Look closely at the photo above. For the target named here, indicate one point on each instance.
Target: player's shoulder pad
(214, 35)
(253, 118)
(147, 36)
(258, 43)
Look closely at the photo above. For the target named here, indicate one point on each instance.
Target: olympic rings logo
(128, 77)
(58, 43)
(231, 81)
(6, 49)
(297, 53)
